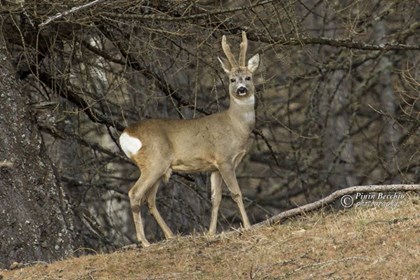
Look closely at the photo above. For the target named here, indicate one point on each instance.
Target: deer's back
(191, 145)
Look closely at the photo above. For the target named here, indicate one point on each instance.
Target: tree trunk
(338, 146)
(391, 134)
(35, 218)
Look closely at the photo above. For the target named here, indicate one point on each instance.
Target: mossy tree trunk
(35, 218)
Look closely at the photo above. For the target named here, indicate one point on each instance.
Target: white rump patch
(129, 144)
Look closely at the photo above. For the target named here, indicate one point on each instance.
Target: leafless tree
(337, 98)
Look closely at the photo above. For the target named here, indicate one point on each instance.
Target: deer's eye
(232, 80)
(248, 78)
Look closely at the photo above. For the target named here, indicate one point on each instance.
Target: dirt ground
(358, 243)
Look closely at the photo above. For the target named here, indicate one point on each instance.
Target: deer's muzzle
(241, 91)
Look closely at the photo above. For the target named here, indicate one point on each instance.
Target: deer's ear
(225, 65)
(253, 63)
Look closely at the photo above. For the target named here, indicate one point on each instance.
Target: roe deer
(215, 143)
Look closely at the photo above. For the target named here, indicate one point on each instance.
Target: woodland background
(337, 106)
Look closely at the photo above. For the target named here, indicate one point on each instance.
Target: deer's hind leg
(139, 194)
(151, 203)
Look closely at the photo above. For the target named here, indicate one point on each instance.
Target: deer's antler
(243, 46)
(228, 52)
(242, 53)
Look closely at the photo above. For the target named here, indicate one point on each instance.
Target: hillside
(368, 243)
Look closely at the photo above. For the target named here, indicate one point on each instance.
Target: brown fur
(214, 143)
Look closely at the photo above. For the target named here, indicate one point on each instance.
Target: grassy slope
(368, 243)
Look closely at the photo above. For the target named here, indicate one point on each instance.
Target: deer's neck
(242, 111)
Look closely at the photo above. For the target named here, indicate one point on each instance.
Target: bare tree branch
(71, 11)
(183, 18)
(80, 102)
(6, 163)
(340, 43)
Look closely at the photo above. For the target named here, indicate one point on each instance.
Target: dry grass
(368, 243)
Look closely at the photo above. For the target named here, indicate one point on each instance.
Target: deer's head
(241, 85)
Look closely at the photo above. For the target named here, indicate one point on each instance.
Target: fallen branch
(333, 197)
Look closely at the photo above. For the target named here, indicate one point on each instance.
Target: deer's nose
(242, 90)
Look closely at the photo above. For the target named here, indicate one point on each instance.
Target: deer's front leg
(228, 174)
(216, 197)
